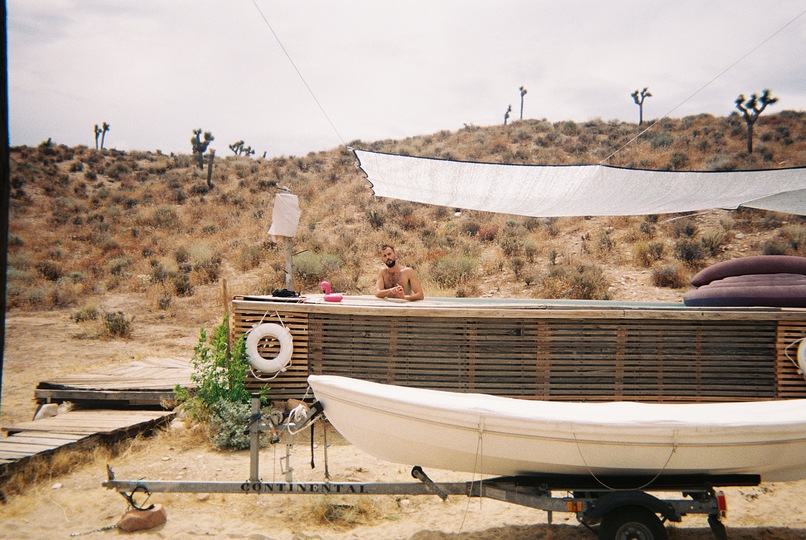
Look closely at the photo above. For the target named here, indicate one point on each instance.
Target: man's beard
(390, 264)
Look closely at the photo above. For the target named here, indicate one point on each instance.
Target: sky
(292, 77)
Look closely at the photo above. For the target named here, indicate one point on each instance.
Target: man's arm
(381, 292)
(416, 287)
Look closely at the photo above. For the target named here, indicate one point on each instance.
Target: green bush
(220, 401)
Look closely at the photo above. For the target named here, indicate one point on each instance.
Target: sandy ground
(45, 345)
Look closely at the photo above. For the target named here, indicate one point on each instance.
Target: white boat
(486, 434)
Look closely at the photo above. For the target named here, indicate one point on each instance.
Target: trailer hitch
(110, 474)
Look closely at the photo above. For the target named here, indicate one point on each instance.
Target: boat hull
(486, 434)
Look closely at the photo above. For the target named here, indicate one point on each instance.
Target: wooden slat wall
(294, 381)
(659, 359)
(563, 359)
(791, 384)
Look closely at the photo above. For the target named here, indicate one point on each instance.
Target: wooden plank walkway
(147, 382)
(74, 430)
(143, 384)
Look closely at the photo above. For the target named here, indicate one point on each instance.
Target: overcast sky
(155, 70)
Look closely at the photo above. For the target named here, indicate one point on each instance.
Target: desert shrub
(182, 285)
(451, 271)
(117, 325)
(640, 254)
(689, 251)
(773, 247)
(583, 282)
(661, 140)
(684, 227)
(671, 276)
(471, 227)
(49, 270)
(249, 256)
(89, 312)
(118, 265)
(206, 264)
(606, 242)
(375, 219)
(795, 236)
(220, 400)
(487, 233)
(312, 268)
(164, 218)
(516, 264)
(713, 242)
(181, 255)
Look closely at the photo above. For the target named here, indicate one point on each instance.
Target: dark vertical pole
(4, 196)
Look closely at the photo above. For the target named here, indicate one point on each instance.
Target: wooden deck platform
(145, 383)
(73, 430)
(111, 404)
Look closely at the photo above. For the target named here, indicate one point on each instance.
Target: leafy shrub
(671, 276)
(220, 400)
(451, 271)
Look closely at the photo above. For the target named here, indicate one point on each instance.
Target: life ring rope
(279, 363)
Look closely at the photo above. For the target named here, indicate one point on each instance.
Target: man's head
(388, 255)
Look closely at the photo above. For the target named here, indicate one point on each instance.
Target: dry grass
(86, 224)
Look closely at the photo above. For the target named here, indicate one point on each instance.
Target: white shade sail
(579, 190)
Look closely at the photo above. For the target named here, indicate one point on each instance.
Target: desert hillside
(86, 224)
(116, 256)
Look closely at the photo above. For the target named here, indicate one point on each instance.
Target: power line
(703, 87)
(299, 73)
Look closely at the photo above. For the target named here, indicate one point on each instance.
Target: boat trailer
(616, 507)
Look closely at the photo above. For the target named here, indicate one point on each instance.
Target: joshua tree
(751, 109)
(639, 100)
(523, 93)
(239, 149)
(506, 115)
(199, 146)
(106, 127)
(210, 169)
(97, 134)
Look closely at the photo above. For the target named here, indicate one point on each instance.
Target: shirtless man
(396, 280)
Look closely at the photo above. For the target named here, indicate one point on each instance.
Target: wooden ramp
(74, 430)
(144, 383)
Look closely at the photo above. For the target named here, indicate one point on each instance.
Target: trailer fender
(611, 501)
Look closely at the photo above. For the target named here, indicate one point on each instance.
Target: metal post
(254, 441)
(288, 243)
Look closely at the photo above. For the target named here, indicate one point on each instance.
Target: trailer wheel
(631, 523)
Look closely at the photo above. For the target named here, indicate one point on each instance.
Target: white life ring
(281, 334)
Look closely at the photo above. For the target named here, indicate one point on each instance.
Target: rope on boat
(794, 361)
(477, 466)
(611, 488)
